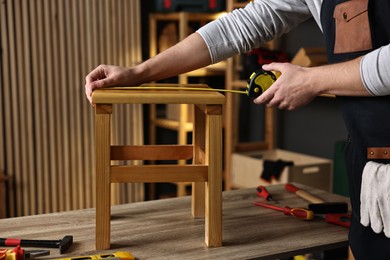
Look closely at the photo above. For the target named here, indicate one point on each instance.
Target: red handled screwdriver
(300, 213)
(262, 192)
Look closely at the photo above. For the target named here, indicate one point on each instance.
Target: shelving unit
(231, 69)
(233, 81)
(183, 124)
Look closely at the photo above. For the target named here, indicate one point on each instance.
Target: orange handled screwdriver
(300, 213)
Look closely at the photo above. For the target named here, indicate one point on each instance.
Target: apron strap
(378, 153)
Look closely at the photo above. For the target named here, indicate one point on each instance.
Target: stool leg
(103, 184)
(213, 221)
(198, 141)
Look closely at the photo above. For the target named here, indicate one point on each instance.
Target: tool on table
(258, 82)
(343, 220)
(263, 192)
(62, 244)
(300, 213)
(329, 207)
(19, 254)
(318, 205)
(339, 219)
(116, 256)
(303, 194)
(332, 212)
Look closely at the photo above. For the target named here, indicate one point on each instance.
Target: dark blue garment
(367, 118)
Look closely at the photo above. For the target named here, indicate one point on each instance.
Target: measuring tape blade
(258, 82)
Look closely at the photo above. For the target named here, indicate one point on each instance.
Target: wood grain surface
(164, 229)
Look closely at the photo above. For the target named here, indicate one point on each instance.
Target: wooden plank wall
(46, 123)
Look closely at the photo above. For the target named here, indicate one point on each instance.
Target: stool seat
(153, 95)
(205, 172)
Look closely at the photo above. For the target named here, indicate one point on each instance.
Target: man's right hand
(107, 76)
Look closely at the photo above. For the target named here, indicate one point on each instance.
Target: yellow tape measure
(260, 81)
(117, 255)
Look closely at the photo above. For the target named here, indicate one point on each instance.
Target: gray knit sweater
(262, 20)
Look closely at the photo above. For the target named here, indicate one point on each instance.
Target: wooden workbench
(164, 229)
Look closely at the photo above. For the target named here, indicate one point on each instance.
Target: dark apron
(367, 118)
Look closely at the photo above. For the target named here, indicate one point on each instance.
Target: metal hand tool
(112, 256)
(263, 192)
(300, 213)
(318, 205)
(329, 207)
(339, 219)
(303, 194)
(62, 244)
(343, 220)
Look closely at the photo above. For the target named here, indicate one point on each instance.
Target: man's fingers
(265, 97)
(89, 87)
(270, 66)
(97, 73)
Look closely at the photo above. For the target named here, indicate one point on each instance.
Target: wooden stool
(206, 152)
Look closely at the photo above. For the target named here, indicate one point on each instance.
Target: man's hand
(291, 90)
(298, 86)
(106, 76)
(178, 59)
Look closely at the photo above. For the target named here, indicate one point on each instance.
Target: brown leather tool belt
(378, 153)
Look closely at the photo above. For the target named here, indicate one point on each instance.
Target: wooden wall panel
(46, 123)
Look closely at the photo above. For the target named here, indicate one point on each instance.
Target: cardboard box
(247, 169)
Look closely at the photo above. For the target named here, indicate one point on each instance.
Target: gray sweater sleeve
(263, 20)
(375, 71)
(246, 28)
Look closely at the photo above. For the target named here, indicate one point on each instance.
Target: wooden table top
(164, 229)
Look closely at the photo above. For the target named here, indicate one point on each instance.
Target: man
(357, 36)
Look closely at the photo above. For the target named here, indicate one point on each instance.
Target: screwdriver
(263, 192)
(300, 213)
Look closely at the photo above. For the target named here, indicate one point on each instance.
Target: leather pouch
(352, 27)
